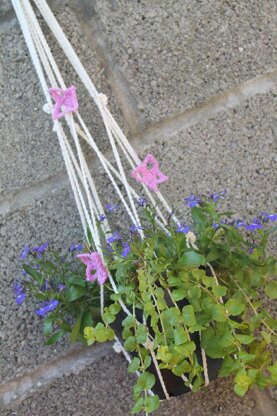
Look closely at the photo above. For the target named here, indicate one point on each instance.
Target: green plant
(213, 278)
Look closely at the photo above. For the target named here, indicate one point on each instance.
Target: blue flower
(113, 238)
(255, 225)
(40, 249)
(142, 202)
(19, 293)
(216, 197)
(271, 217)
(45, 286)
(239, 223)
(182, 229)
(134, 228)
(126, 249)
(46, 307)
(215, 226)
(111, 208)
(192, 201)
(76, 247)
(102, 217)
(61, 287)
(25, 252)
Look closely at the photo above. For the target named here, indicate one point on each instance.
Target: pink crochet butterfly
(65, 101)
(96, 270)
(149, 173)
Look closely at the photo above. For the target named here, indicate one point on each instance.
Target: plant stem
(253, 308)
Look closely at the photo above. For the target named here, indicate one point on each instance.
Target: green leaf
(138, 406)
(228, 366)
(134, 365)
(172, 315)
(75, 292)
(32, 272)
(180, 369)
(234, 306)
(219, 291)
(218, 313)
(75, 332)
(47, 326)
(72, 279)
(128, 322)
(191, 258)
(199, 216)
(146, 381)
(187, 349)
(243, 382)
(152, 403)
(194, 292)
(54, 338)
(141, 334)
(273, 371)
(108, 317)
(245, 339)
(102, 333)
(266, 336)
(164, 354)
(130, 344)
(240, 390)
(271, 290)
(208, 281)
(189, 315)
(147, 362)
(178, 294)
(180, 336)
(114, 308)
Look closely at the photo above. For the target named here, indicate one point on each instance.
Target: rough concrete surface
(166, 57)
(174, 53)
(235, 150)
(105, 389)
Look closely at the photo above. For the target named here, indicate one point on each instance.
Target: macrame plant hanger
(65, 110)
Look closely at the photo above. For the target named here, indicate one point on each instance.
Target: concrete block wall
(193, 82)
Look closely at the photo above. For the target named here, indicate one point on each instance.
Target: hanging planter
(183, 313)
(182, 299)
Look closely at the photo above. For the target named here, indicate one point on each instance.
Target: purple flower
(111, 208)
(61, 287)
(25, 252)
(19, 293)
(192, 201)
(40, 249)
(271, 217)
(255, 225)
(134, 228)
(126, 249)
(182, 229)
(46, 307)
(215, 226)
(113, 238)
(216, 197)
(250, 251)
(76, 247)
(102, 217)
(142, 202)
(45, 286)
(239, 223)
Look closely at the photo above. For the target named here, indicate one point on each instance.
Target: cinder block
(30, 151)
(175, 54)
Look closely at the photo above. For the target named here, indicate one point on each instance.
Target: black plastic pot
(174, 384)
